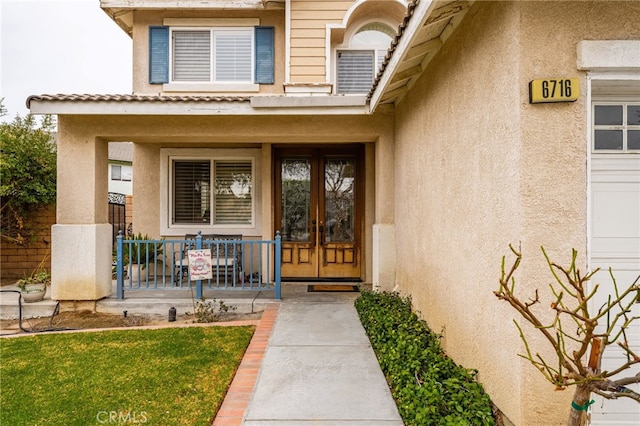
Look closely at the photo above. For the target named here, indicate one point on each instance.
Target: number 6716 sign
(554, 90)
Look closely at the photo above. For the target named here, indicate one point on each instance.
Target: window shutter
(191, 55)
(264, 55)
(355, 71)
(233, 192)
(158, 55)
(233, 55)
(191, 192)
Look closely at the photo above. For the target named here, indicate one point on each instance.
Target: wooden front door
(319, 212)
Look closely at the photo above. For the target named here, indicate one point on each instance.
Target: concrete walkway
(317, 367)
(309, 362)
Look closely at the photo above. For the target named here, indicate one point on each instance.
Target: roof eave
(412, 53)
(121, 11)
(195, 108)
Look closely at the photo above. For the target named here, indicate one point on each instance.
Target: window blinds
(233, 192)
(191, 192)
(191, 55)
(233, 52)
(355, 71)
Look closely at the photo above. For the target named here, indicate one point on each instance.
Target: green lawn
(172, 376)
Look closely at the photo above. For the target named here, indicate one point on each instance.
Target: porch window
(212, 192)
(616, 127)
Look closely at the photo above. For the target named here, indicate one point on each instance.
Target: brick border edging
(236, 401)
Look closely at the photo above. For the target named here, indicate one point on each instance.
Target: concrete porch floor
(158, 302)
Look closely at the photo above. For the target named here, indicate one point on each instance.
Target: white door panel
(615, 244)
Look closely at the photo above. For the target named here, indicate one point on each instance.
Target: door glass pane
(633, 115)
(296, 198)
(608, 115)
(633, 140)
(608, 139)
(339, 186)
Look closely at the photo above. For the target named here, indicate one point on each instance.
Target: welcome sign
(200, 264)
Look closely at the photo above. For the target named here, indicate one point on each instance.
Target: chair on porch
(226, 257)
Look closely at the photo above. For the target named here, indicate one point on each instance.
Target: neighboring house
(121, 167)
(252, 116)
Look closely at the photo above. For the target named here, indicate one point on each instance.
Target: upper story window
(616, 127)
(212, 55)
(179, 55)
(358, 64)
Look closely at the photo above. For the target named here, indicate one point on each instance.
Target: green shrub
(428, 387)
(142, 252)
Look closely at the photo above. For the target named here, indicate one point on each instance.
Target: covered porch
(173, 131)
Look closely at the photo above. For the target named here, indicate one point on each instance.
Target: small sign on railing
(200, 264)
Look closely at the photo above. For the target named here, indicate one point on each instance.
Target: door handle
(313, 232)
(321, 229)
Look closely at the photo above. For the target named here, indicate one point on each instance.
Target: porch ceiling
(425, 29)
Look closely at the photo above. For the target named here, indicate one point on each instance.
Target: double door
(318, 212)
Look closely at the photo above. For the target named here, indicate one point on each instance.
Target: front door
(318, 212)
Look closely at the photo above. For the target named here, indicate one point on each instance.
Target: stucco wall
(144, 19)
(477, 168)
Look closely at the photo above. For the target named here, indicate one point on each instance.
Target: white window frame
(624, 127)
(126, 172)
(169, 155)
(115, 167)
(212, 84)
(378, 51)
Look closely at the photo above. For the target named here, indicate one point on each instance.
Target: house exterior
(256, 116)
(121, 167)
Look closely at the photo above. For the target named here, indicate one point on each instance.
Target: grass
(175, 376)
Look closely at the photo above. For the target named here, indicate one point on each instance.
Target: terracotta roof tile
(394, 43)
(133, 98)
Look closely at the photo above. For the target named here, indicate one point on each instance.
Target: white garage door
(615, 243)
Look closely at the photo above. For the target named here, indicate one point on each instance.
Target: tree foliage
(578, 333)
(28, 172)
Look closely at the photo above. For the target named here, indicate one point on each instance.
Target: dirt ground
(92, 320)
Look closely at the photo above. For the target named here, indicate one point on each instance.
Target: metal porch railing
(236, 264)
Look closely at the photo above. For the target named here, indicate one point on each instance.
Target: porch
(197, 263)
(158, 302)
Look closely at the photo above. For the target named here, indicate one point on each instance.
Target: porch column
(384, 229)
(81, 238)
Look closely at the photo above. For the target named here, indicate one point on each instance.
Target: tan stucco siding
(554, 151)
(144, 19)
(478, 168)
(308, 37)
(82, 194)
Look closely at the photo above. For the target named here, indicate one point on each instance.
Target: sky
(60, 46)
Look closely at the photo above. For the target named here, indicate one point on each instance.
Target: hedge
(428, 387)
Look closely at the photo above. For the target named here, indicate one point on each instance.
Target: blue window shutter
(158, 55)
(264, 59)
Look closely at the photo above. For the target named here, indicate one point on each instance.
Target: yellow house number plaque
(554, 90)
